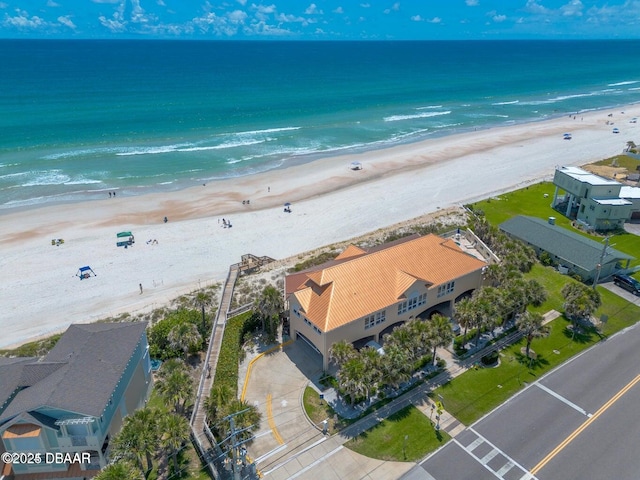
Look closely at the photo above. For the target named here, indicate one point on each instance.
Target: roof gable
(80, 373)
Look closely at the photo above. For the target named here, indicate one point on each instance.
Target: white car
(616, 130)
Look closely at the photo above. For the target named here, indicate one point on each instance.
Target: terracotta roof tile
(339, 294)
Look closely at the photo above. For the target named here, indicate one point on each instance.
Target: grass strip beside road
(405, 436)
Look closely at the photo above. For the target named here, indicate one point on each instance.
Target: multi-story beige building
(362, 295)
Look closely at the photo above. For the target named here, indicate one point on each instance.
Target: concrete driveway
(288, 446)
(621, 292)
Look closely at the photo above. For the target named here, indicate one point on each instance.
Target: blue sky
(320, 19)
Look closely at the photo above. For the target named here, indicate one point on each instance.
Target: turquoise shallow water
(80, 118)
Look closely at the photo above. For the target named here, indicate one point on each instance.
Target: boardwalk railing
(207, 450)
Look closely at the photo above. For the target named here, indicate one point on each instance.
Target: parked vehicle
(628, 283)
(616, 130)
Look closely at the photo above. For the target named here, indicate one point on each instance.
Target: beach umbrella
(288, 204)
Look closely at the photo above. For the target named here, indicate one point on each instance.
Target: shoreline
(301, 160)
(330, 203)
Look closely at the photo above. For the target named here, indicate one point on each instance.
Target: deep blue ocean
(81, 118)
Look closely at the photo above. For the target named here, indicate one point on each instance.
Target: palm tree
(138, 438)
(530, 324)
(119, 471)
(351, 378)
(441, 332)
(396, 365)
(536, 293)
(269, 305)
(373, 372)
(342, 351)
(184, 337)
(580, 301)
(630, 145)
(203, 299)
(249, 419)
(175, 384)
(487, 310)
(220, 396)
(175, 432)
(464, 314)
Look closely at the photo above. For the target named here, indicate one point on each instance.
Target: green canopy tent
(130, 240)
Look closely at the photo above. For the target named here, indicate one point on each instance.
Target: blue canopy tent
(85, 272)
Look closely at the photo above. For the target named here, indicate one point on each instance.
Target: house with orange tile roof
(362, 295)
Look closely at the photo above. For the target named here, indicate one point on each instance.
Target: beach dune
(41, 294)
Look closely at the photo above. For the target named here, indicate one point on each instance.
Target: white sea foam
(629, 82)
(82, 181)
(485, 115)
(397, 118)
(429, 107)
(506, 103)
(267, 130)
(53, 177)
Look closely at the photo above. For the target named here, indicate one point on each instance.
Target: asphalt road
(578, 422)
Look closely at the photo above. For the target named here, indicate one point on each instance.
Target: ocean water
(81, 118)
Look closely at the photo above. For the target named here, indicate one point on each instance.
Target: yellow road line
(272, 422)
(248, 374)
(581, 428)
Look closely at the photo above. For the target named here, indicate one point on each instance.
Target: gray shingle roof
(79, 374)
(565, 244)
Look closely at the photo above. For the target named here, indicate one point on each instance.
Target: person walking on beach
(140, 289)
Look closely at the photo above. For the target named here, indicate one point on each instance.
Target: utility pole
(236, 468)
(599, 266)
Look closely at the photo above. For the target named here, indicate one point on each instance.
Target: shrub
(158, 343)
(490, 359)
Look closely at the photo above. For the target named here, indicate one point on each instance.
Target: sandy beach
(41, 294)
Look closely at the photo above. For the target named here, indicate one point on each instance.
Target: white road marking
(562, 399)
(320, 460)
(295, 456)
(271, 453)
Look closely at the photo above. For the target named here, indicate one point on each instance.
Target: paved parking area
(288, 446)
(621, 292)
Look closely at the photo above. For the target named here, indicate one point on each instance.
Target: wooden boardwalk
(198, 425)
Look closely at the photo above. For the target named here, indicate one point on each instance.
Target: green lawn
(531, 201)
(386, 441)
(478, 391)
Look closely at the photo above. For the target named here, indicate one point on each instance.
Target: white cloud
(237, 16)
(67, 22)
(51, 3)
(435, 20)
(242, 2)
(365, 5)
(396, 7)
(23, 21)
(266, 9)
(313, 10)
(112, 24)
(138, 14)
(105, 1)
(472, 3)
(499, 18)
(290, 19)
(533, 6)
(339, 10)
(161, 3)
(417, 18)
(572, 9)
